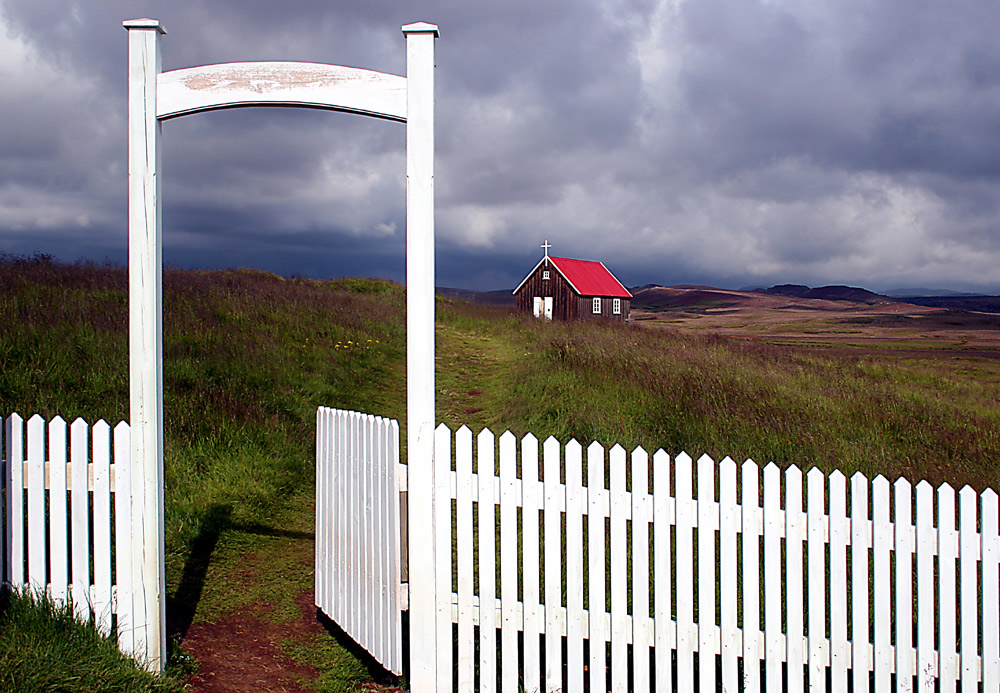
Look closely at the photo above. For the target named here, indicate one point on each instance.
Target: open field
(249, 356)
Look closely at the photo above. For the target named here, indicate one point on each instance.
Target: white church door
(538, 306)
(548, 307)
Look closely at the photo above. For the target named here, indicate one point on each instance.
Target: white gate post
(146, 341)
(420, 417)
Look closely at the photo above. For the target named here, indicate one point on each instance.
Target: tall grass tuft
(44, 648)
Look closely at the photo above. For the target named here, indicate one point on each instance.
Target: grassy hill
(248, 357)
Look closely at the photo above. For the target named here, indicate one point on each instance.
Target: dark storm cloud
(693, 141)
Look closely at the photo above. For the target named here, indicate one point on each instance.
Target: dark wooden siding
(585, 308)
(564, 305)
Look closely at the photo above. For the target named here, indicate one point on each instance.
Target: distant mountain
(922, 291)
(967, 302)
(828, 293)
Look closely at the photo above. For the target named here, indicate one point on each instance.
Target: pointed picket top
(945, 490)
(506, 437)
(859, 478)
(463, 430)
(529, 439)
(661, 457)
(837, 476)
(36, 420)
(443, 429)
(989, 496)
(595, 448)
(749, 463)
(78, 421)
(682, 458)
(551, 440)
(57, 421)
(705, 459)
(485, 437)
(771, 468)
(902, 485)
(617, 449)
(574, 445)
(463, 436)
(968, 496)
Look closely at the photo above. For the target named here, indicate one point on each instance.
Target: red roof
(588, 278)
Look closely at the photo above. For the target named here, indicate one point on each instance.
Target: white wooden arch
(155, 96)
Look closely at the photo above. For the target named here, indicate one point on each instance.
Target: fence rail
(68, 526)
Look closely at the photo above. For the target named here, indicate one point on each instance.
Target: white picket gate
(358, 530)
(776, 584)
(69, 528)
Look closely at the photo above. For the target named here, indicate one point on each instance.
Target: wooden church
(561, 288)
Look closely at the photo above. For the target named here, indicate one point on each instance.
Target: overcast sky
(701, 141)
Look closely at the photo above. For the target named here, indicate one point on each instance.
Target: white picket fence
(68, 528)
(852, 580)
(358, 530)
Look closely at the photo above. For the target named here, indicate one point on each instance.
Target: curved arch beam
(305, 85)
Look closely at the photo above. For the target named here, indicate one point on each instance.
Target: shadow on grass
(379, 674)
(182, 605)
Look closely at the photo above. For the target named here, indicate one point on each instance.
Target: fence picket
(640, 570)
(840, 652)
(322, 494)
(816, 579)
(903, 609)
(80, 519)
(37, 578)
(751, 576)
(101, 433)
(947, 554)
(686, 519)
(530, 564)
(794, 631)
(486, 472)
(708, 520)
(395, 661)
(508, 569)
(619, 558)
(991, 591)
(14, 441)
(881, 598)
(463, 526)
(925, 549)
(128, 562)
(554, 622)
(58, 516)
(969, 589)
(597, 509)
(773, 522)
(663, 624)
(860, 541)
(576, 624)
(442, 556)
(729, 523)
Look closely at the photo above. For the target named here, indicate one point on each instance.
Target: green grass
(40, 639)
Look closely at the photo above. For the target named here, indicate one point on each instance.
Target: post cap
(421, 28)
(144, 24)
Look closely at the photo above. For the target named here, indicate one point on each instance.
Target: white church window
(545, 274)
(616, 306)
(597, 305)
